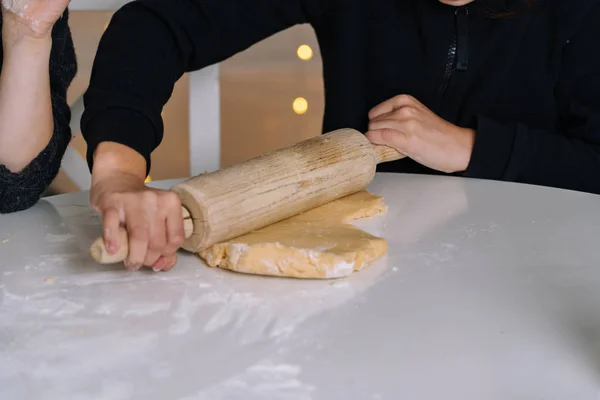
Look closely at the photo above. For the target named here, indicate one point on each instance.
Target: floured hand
(33, 17)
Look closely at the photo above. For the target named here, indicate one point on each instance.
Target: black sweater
(529, 85)
(19, 191)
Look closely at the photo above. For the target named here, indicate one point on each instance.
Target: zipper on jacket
(462, 38)
(458, 52)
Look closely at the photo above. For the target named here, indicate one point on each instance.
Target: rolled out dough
(320, 243)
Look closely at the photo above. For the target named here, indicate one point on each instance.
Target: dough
(320, 243)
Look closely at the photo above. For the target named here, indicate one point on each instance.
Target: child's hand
(411, 128)
(152, 217)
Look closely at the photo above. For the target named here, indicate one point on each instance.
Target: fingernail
(158, 266)
(131, 266)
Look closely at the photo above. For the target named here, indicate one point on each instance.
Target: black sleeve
(150, 44)
(19, 191)
(568, 158)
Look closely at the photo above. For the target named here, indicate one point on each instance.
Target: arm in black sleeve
(150, 44)
(19, 191)
(569, 158)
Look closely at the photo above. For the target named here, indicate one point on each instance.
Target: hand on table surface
(405, 124)
(34, 18)
(152, 218)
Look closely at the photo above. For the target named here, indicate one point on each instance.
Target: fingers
(111, 223)
(170, 262)
(387, 123)
(152, 257)
(175, 236)
(382, 117)
(139, 238)
(393, 122)
(392, 104)
(389, 137)
(158, 234)
(153, 222)
(165, 263)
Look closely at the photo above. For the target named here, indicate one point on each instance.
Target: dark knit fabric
(19, 191)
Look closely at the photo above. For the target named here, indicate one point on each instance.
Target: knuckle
(150, 197)
(404, 98)
(406, 112)
(177, 241)
(171, 199)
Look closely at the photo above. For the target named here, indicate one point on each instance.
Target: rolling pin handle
(385, 153)
(99, 252)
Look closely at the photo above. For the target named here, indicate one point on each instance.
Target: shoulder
(572, 13)
(565, 18)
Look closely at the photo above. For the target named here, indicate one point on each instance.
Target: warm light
(300, 105)
(148, 179)
(304, 52)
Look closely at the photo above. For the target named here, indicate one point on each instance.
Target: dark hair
(508, 13)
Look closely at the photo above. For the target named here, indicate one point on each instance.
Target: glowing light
(300, 105)
(304, 52)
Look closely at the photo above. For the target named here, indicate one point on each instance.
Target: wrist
(467, 144)
(18, 27)
(114, 159)
(15, 38)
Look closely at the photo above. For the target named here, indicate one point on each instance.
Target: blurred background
(271, 96)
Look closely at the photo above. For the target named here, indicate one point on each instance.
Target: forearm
(26, 120)
(517, 153)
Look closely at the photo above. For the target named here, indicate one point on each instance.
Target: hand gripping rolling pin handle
(99, 252)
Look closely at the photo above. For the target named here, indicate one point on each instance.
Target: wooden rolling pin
(233, 201)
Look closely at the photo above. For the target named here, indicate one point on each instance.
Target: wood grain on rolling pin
(280, 184)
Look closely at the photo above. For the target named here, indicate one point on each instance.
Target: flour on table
(53, 238)
(263, 381)
(320, 243)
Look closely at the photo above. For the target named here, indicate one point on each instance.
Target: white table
(489, 291)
